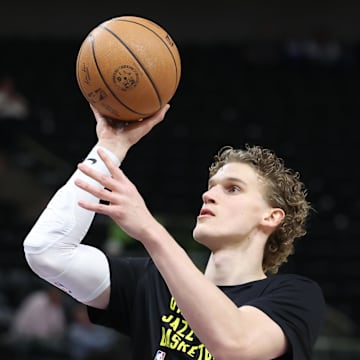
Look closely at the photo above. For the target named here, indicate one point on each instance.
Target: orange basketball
(128, 68)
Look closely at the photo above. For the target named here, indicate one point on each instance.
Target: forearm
(53, 247)
(210, 314)
(62, 219)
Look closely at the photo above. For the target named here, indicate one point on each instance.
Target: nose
(208, 196)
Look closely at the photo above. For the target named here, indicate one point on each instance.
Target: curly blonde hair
(283, 189)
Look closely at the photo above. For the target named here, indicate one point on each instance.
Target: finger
(93, 108)
(96, 207)
(105, 180)
(164, 110)
(100, 193)
(96, 113)
(116, 124)
(114, 170)
(150, 121)
(158, 116)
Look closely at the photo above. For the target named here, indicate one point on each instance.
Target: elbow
(42, 264)
(36, 263)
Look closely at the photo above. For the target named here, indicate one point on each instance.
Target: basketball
(128, 68)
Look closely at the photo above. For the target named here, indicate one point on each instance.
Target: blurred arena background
(279, 74)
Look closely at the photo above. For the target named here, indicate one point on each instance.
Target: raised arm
(53, 247)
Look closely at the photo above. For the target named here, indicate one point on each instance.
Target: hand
(118, 136)
(126, 206)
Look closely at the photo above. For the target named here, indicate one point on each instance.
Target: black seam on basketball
(138, 61)
(156, 34)
(106, 84)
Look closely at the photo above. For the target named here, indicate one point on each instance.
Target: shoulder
(297, 304)
(295, 290)
(295, 284)
(291, 279)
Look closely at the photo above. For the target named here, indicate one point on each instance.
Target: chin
(202, 237)
(197, 235)
(198, 231)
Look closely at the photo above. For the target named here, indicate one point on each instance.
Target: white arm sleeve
(53, 247)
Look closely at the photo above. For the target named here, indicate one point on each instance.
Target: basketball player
(239, 308)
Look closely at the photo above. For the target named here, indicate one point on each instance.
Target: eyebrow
(228, 179)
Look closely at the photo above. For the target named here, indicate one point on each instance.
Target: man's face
(233, 207)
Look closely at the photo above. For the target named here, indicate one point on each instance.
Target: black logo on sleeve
(93, 161)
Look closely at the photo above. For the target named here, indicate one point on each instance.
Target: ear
(273, 218)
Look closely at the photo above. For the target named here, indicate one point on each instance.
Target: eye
(233, 189)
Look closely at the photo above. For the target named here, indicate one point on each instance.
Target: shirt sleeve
(124, 276)
(297, 305)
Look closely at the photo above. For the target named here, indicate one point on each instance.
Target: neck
(229, 267)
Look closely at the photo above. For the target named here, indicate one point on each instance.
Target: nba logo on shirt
(160, 355)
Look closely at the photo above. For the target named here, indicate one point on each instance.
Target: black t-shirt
(142, 307)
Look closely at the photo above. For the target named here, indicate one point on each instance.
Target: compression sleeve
(53, 247)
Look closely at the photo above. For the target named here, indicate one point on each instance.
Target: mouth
(206, 212)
